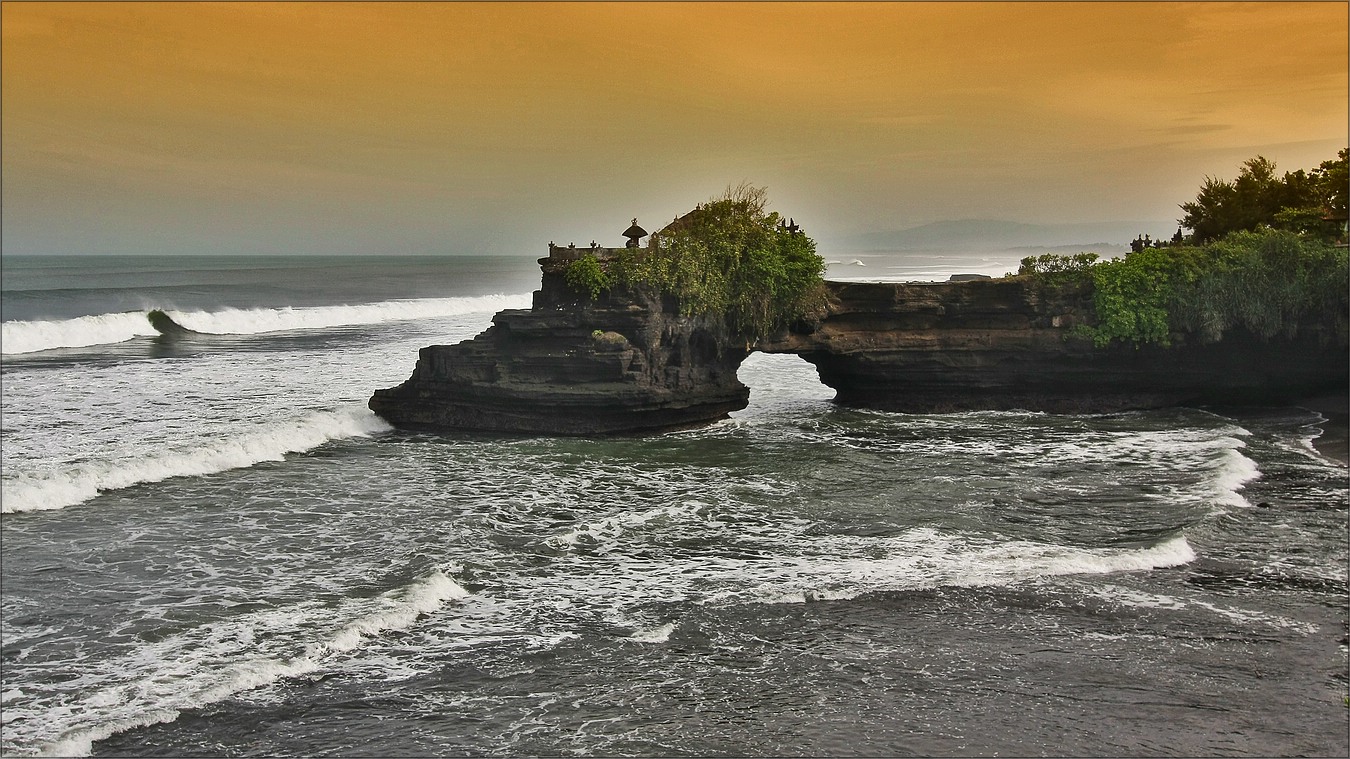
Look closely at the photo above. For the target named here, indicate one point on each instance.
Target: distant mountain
(973, 235)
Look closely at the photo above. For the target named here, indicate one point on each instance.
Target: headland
(627, 359)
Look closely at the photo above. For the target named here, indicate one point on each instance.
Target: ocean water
(212, 548)
(919, 266)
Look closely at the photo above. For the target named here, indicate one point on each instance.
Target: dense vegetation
(1253, 264)
(1300, 201)
(587, 277)
(728, 257)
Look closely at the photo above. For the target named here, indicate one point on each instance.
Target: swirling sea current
(211, 547)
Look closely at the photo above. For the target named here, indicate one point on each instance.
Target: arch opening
(782, 385)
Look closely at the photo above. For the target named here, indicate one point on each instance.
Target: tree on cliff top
(1271, 283)
(730, 256)
(1299, 201)
(1263, 261)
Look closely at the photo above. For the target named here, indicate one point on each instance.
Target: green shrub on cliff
(587, 277)
(1265, 263)
(731, 257)
(1056, 271)
(1133, 296)
(1268, 282)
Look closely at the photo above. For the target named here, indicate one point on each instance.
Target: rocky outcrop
(1009, 343)
(629, 362)
(626, 362)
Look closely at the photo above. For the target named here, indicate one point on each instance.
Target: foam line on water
(1235, 471)
(81, 742)
(398, 613)
(21, 337)
(924, 559)
(1248, 617)
(217, 661)
(77, 483)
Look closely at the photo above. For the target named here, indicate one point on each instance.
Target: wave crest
(107, 329)
(79, 483)
(100, 329)
(193, 674)
(233, 321)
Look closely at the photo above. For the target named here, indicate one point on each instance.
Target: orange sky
(496, 127)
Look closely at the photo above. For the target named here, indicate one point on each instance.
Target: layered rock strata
(629, 362)
(626, 362)
(1008, 343)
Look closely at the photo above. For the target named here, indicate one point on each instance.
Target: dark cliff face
(1008, 343)
(626, 362)
(629, 362)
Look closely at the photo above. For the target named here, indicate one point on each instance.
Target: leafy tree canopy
(1053, 268)
(1299, 201)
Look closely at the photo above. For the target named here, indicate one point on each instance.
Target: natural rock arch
(629, 362)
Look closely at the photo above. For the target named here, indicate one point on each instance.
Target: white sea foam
(217, 661)
(1235, 471)
(399, 612)
(80, 742)
(1303, 443)
(100, 329)
(608, 528)
(1227, 470)
(77, 483)
(925, 558)
(106, 329)
(655, 635)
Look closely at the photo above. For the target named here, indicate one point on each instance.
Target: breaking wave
(252, 321)
(78, 483)
(213, 662)
(101, 329)
(106, 329)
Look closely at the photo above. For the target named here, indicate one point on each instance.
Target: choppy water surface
(210, 547)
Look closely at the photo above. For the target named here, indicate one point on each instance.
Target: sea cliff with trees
(1249, 308)
(1266, 254)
